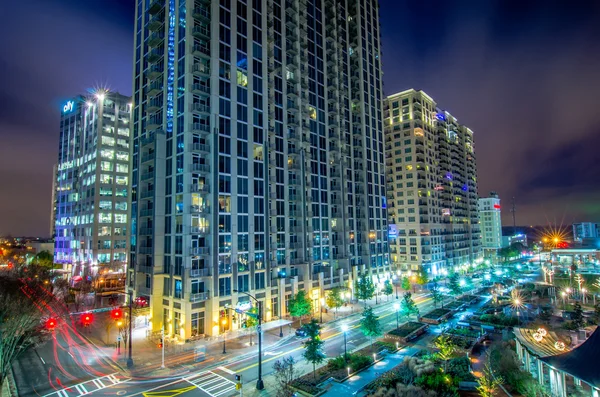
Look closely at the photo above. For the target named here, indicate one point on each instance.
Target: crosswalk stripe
(102, 385)
(83, 388)
(232, 388)
(227, 370)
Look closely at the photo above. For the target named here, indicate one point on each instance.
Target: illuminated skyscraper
(432, 186)
(92, 185)
(491, 225)
(258, 157)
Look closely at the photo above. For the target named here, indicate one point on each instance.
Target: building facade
(53, 202)
(92, 185)
(258, 156)
(491, 225)
(584, 230)
(431, 185)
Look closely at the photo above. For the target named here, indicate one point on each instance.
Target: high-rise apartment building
(491, 225)
(431, 186)
(92, 185)
(258, 156)
(584, 230)
(53, 202)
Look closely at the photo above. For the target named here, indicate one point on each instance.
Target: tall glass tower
(258, 156)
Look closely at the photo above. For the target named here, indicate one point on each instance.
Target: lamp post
(259, 383)
(397, 307)
(344, 330)
(130, 359)
(322, 301)
(224, 322)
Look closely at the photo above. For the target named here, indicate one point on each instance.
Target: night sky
(523, 75)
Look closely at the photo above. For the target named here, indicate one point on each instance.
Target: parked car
(303, 331)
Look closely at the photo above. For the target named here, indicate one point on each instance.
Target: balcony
(155, 55)
(200, 108)
(200, 89)
(154, 88)
(202, 188)
(202, 296)
(200, 230)
(200, 148)
(201, 32)
(202, 168)
(155, 6)
(147, 211)
(199, 128)
(145, 250)
(201, 50)
(201, 69)
(156, 23)
(156, 39)
(197, 251)
(200, 272)
(202, 14)
(154, 122)
(197, 209)
(154, 105)
(147, 175)
(154, 72)
(146, 231)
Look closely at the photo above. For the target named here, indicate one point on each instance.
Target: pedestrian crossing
(212, 384)
(87, 387)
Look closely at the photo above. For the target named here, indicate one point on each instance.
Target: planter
(407, 331)
(436, 316)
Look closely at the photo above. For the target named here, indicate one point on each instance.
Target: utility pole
(130, 359)
(162, 338)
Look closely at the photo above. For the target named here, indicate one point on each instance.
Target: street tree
(488, 384)
(44, 259)
(251, 320)
(334, 299)
(437, 295)
(422, 277)
(454, 284)
(408, 307)
(285, 373)
(369, 324)
(388, 289)
(364, 287)
(313, 346)
(21, 319)
(405, 283)
(577, 316)
(300, 305)
(446, 348)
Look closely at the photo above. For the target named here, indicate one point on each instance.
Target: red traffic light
(86, 319)
(116, 314)
(51, 323)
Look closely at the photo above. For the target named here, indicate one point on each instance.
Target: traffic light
(50, 323)
(160, 343)
(86, 319)
(116, 314)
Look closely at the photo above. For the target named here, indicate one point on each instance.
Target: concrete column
(595, 392)
(540, 365)
(527, 361)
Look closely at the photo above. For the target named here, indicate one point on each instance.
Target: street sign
(259, 329)
(119, 338)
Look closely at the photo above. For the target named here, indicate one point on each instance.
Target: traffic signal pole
(130, 359)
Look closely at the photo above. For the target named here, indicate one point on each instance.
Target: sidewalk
(357, 382)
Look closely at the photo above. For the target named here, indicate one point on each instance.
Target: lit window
(106, 166)
(123, 156)
(104, 217)
(122, 168)
(108, 141)
(242, 78)
(122, 180)
(120, 218)
(107, 154)
(107, 179)
(105, 205)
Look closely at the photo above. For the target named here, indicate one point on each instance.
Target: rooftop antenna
(514, 212)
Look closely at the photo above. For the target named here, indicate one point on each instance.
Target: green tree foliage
(437, 295)
(334, 298)
(506, 364)
(454, 284)
(388, 288)
(422, 277)
(364, 288)
(577, 316)
(44, 259)
(488, 383)
(313, 347)
(597, 313)
(251, 320)
(369, 324)
(446, 348)
(405, 283)
(408, 307)
(300, 305)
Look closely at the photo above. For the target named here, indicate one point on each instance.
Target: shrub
(355, 361)
(459, 368)
(442, 384)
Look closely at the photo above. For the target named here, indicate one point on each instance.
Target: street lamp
(344, 330)
(322, 300)
(224, 322)
(130, 359)
(397, 307)
(259, 383)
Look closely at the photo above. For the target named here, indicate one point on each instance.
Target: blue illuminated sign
(440, 116)
(465, 188)
(69, 107)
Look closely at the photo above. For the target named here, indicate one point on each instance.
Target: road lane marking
(93, 384)
(227, 370)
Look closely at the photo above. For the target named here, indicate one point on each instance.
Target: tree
(597, 313)
(405, 283)
(44, 259)
(454, 284)
(251, 320)
(369, 324)
(408, 307)
(488, 383)
(446, 348)
(334, 299)
(437, 295)
(422, 277)
(364, 287)
(285, 373)
(577, 316)
(313, 347)
(21, 318)
(388, 289)
(300, 305)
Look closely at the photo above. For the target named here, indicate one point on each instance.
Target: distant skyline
(523, 77)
